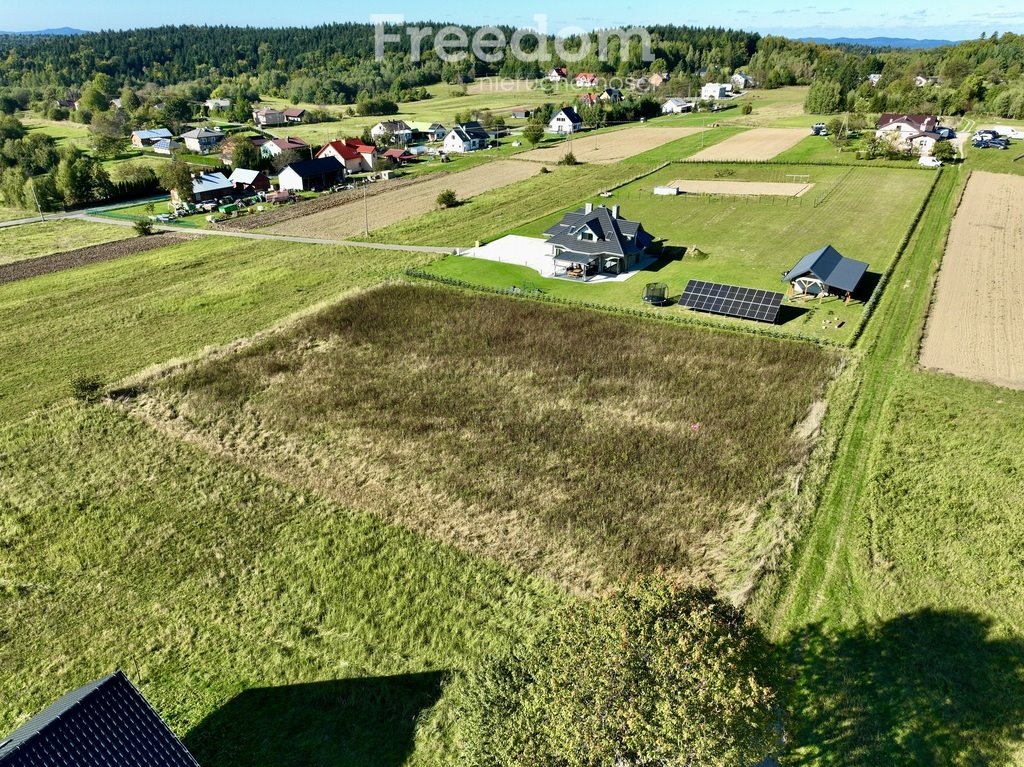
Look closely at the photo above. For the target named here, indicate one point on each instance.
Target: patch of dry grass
(554, 440)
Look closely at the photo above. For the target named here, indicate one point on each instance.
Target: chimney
(615, 211)
(588, 207)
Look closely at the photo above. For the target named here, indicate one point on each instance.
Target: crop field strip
(974, 329)
(610, 147)
(523, 431)
(755, 144)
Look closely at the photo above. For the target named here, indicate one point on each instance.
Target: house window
(588, 236)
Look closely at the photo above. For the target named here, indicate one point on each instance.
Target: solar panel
(731, 300)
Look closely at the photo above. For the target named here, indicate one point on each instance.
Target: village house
(716, 91)
(206, 187)
(268, 117)
(294, 115)
(245, 180)
(556, 74)
(676, 106)
(911, 132)
(356, 156)
(146, 138)
(466, 137)
(277, 146)
(741, 81)
(202, 140)
(586, 80)
(596, 240)
(396, 131)
(566, 120)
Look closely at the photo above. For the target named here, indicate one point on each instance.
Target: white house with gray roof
(596, 240)
(567, 120)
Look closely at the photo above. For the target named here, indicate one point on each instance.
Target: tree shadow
(341, 723)
(866, 287)
(930, 688)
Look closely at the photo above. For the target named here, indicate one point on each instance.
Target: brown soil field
(756, 144)
(974, 329)
(393, 206)
(58, 262)
(606, 148)
(774, 189)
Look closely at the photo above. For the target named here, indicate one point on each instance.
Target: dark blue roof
(831, 267)
(106, 723)
(317, 167)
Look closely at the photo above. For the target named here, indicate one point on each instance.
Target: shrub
(87, 388)
(447, 199)
(747, 108)
(569, 159)
(144, 227)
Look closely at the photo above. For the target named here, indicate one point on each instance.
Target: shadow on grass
(867, 286)
(930, 688)
(341, 723)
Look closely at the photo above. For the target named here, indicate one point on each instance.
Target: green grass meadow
(44, 238)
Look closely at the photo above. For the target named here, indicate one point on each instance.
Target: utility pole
(366, 212)
(32, 183)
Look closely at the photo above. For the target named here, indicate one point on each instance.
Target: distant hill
(50, 32)
(879, 42)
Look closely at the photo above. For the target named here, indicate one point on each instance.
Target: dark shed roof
(831, 267)
(318, 167)
(106, 723)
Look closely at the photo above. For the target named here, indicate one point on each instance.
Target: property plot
(756, 144)
(606, 148)
(391, 207)
(558, 441)
(780, 189)
(45, 238)
(974, 329)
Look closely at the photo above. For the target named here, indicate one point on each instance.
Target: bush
(144, 227)
(747, 108)
(87, 388)
(447, 199)
(569, 159)
(654, 675)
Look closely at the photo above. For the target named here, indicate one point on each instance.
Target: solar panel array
(732, 301)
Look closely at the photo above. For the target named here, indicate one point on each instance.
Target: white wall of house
(289, 179)
(560, 123)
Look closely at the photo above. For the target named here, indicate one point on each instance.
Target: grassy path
(822, 578)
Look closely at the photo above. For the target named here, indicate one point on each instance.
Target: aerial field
(406, 202)
(974, 329)
(753, 145)
(606, 148)
(512, 429)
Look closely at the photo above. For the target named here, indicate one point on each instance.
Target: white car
(930, 162)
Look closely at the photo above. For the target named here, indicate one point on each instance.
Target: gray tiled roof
(615, 236)
(831, 267)
(106, 723)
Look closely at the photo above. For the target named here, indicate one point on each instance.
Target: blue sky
(865, 18)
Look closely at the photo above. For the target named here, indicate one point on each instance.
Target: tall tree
(176, 176)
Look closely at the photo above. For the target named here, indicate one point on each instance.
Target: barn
(825, 271)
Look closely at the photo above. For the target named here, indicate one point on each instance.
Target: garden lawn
(748, 241)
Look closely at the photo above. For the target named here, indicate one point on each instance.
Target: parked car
(985, 135)
(819, 129)
(989, 145)
(929, 162)
(945, 133)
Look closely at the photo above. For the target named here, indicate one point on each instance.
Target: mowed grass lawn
(554, 440)
(44, 238)
(115, 318)
(268, 626)
(748, 241)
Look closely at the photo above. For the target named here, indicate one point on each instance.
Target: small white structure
(566, 121)
(716, 91)
(399, 131)
(676, 106)
(666, 191)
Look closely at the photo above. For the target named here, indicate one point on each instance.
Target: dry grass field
(975, 324)
(756, 144)
(406, 202)
(606, 148)
(561, 442)
(774, 189)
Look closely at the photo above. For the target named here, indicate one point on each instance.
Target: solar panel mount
(732, 300)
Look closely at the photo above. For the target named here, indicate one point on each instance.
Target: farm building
(166, 146)
(206, 187)
(202, 140)
(312, 175)
(244, 180)
(422, 131)
(217, 105)
(611, 95)
(825, 271)
(556, 75)
(106, 722)
(268, 116)
(398, 156)
(353, 153)
(398, 130)
(676, 106)
(565, 121)
(294, 115)
(520, 113)
(144, 138)
(276, 146)
(592, 241)
(658, 79)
